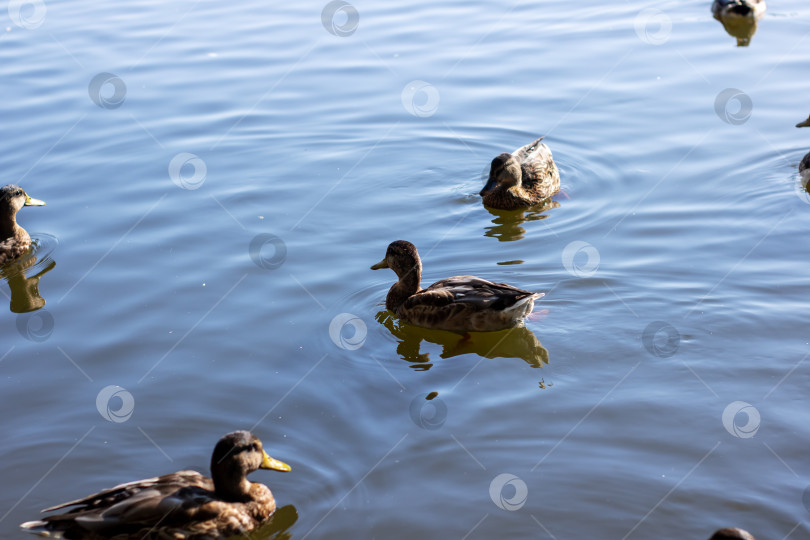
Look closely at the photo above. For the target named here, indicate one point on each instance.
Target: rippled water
(220, 177)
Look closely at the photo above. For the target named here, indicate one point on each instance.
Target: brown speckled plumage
(526, 177)
(14, 240)
(457, 304)
(182, 505)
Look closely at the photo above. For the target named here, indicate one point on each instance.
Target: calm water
(220, 177)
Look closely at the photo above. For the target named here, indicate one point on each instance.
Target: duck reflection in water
(506, 224)
(278, 528)
(25, 296)
(518, 342)
(739, 18)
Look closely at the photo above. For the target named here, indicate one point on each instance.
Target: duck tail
(39, 527)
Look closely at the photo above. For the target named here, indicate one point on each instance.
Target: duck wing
(169, 500)
(466, 304)
(477, 292)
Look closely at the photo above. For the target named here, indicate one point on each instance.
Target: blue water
(217, 196)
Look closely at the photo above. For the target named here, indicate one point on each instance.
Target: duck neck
(405, 287)
(230, 489)
(8, 226)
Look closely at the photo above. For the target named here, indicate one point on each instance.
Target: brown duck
(526, 177)
(183, 505)
(14, 240)
(458, 304)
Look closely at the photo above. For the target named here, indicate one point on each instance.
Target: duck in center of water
(526, 177)
(458, 304)
(184, 505)
(14, 240)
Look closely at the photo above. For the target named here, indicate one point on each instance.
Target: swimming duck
(523, 178)
(14, 240)
(183, 505)
(458, 304)
(732, 534)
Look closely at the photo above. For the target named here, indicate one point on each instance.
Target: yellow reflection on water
(517, 342)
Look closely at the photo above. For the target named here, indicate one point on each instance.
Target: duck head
(806, 123)
(235, 456)
(401, 257)
(505, 171)
(12, 198)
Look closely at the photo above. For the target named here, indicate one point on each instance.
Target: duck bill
(806, 123)
(490, 185)
(274, 464)
(382, 264)
(33, 202)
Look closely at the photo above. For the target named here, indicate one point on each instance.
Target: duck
(526, 177)
(184, 505)
(459, 304)
(732, 533)
(14, 240)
